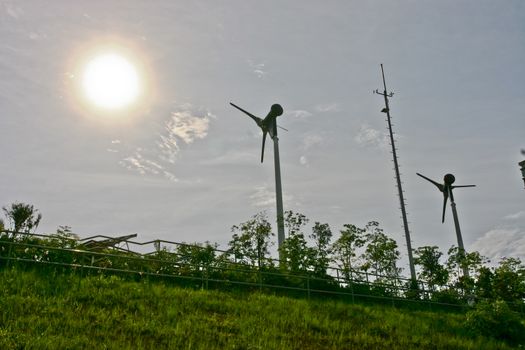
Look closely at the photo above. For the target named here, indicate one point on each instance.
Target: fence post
(207, 275)
(9, 254)
(260, 278)
(308, 285)
(352, 290)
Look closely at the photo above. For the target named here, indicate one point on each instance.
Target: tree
(321, 235)
(457, 261)
(345, 249)
(432, 271)
(294, 222)
(196, 257)
(296, 256)
(381, 253)
(23, 217)
(483, 285)
(508, 281)
(251, 240)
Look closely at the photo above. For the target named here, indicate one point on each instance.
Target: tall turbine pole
(461, 246)
(278, 191)
(398, 177)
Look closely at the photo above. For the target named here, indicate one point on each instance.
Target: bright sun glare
(110, 81)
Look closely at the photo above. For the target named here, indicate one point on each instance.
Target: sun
(110, 81)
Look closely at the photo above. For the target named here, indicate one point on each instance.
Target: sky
(182, 165)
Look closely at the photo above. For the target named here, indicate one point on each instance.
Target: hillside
(47, 311)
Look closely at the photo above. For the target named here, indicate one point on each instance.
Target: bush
(496, 320)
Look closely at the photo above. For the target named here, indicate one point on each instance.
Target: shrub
(495, 319)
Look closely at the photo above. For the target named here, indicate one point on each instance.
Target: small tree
(457, 261)
(483, 286)
(345, 249)
(508, 281)
(495, 319)
(251, 240)
(196, 257)
(432, 271)
(296, 256)
(294, 222)
(321, 235)
(23, 217)
(381, 253)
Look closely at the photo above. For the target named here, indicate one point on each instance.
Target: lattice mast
(398, 175)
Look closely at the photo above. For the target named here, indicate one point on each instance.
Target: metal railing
(219, 270)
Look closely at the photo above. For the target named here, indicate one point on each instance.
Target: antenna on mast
(398, 176)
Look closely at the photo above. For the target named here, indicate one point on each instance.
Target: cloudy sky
(183, 165)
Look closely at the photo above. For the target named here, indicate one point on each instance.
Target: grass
(44, 310)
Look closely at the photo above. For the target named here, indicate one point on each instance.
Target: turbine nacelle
(275, 111)
(268, 125)
(449, 179)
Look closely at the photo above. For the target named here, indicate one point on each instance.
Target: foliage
(251, 240)
(296, 256)
(459, 260)
(195, 257)
(495, 319)
(305, 268)
(509, 280)
(381, 252)
(294, 222)
(23, 217)
(321, 235)
(294, 253)
(432, 272)
(483, 288)
(345, 249)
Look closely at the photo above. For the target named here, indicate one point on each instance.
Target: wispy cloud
(183, 127)
(311, 140)
(258, 68)
(515, 216)
(371, 138)
(329, 107)
(298, 113)
(265, 197)
(138, 162)
(13, 11)
(506, 240)
(501, 242)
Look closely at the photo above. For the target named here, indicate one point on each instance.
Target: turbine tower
(446, 188)
(398, 176)
(269, 125)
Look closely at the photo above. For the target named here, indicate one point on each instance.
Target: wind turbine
(269, 125)
(446, 188)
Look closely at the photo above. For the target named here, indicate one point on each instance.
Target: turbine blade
(438, 185)
(263, 142)
(256, 119)
(280, 127)
(445, 197)
(463, 186)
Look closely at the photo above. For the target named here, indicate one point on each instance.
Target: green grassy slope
(43, 311)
